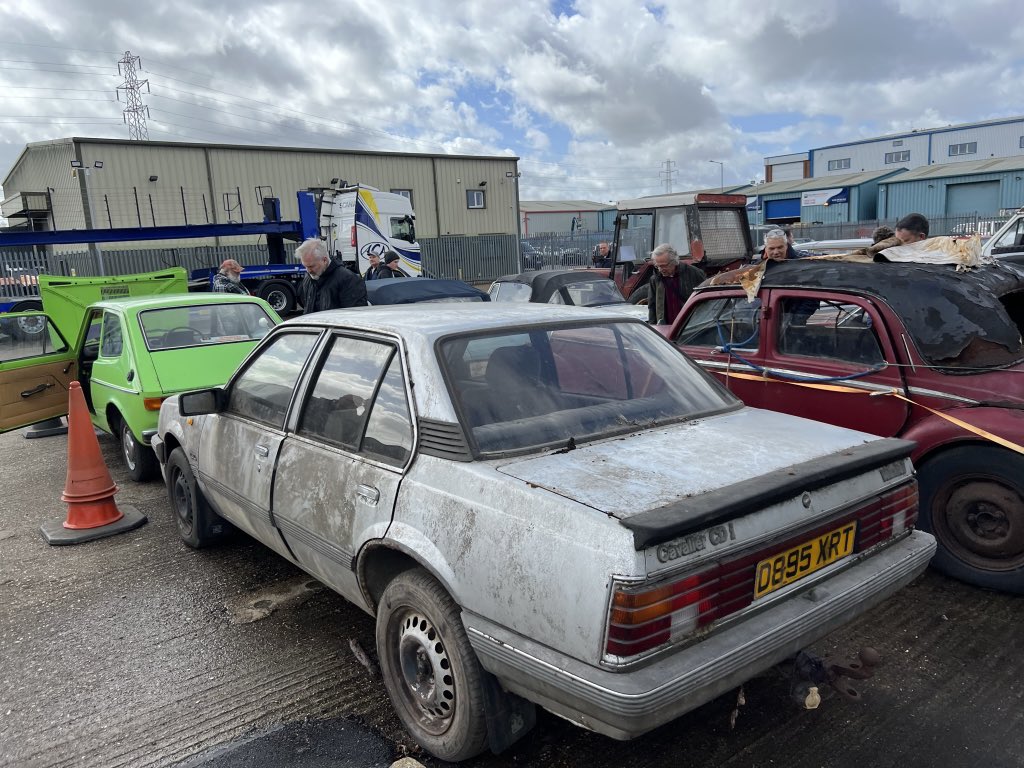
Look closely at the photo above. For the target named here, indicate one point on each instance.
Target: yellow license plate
(792, 565)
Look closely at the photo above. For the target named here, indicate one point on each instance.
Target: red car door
(721, 331)
(829, 357)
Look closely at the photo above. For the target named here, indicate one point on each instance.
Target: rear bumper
(626, 704)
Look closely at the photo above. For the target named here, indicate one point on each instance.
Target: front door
(36, 371)
(338, 475)
(239, 447)
(722, 333)
(831, 359)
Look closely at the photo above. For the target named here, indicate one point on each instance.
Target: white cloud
(594, 99)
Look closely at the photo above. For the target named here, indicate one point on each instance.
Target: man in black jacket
(671, 285)
(327, 284)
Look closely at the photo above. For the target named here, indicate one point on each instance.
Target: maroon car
(921, 352)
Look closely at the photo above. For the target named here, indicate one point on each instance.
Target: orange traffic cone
(89, 489)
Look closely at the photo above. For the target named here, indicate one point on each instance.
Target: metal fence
(473, 259)
(985, 225)
(558, 249)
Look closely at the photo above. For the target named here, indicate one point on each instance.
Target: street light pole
(721, 168)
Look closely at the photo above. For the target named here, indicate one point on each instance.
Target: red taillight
(352, 236)
(643, 618)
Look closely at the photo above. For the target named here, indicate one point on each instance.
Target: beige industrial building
(87, 183)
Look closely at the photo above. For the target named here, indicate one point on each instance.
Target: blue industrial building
(992, 187)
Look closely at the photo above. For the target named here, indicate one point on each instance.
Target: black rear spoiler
(691, 515)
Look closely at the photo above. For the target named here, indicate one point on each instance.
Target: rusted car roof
(957, 319)
(546, 282)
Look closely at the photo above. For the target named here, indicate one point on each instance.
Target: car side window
(337, 409)
(111, 337)
(35, 338)
(730, 320)
(264, 389)
(389, 430)
(828, 329)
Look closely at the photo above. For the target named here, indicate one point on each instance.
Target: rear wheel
(430, 670)
(279, 295)
(29, 327)
(138, 458)
(972, 500)
(198, 525)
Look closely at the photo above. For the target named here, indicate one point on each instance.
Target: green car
(131, 342)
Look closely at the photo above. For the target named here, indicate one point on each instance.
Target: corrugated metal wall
(199, 184)
(928, 196)
(870, 156)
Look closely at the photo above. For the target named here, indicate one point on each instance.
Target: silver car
(541, 506)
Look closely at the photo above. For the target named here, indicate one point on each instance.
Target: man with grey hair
(671, 285)
(327, 284)
(777, 246)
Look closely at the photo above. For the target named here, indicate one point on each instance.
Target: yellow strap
(983, 433)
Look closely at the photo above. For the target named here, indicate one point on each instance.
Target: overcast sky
(594, 96)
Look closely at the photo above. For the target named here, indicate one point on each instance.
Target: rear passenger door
(340, 467)
(830, 358)
(239, 446)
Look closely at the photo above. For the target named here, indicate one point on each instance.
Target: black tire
(139, 459)
(972, 501)
(198, 525)
(641, 294)
(430, 670)
(279, 295)
(29, 328)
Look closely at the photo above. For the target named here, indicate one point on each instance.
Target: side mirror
(200, 403)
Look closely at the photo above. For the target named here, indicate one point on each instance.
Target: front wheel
(972, 500)
(279, 295)
(198, 525)
(138, 458)
(430, 671)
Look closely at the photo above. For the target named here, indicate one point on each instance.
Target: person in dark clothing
(391, 267)
(671, 285)
(371, 271)
(327, 284)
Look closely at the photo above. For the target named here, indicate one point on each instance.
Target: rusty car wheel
(972, 500)
(430, 670)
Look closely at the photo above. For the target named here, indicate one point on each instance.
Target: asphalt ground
(136, 651)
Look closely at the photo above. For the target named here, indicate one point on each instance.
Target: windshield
(201, 325)
(508, 291)
(592, 293)
(547, 386)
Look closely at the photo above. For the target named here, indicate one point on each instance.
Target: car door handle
(262, 451)
(36, 390)
(368, 492)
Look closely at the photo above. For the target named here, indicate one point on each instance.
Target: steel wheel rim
(183, 504)
(980, 521)
(426, 682)
(128, 446)
(31, 326)
(277, 300)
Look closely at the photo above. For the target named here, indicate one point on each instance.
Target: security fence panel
(473, 259)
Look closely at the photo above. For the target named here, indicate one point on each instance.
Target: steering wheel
(170, 333)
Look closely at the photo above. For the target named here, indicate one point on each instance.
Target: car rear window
(201, 325)
(552, 385)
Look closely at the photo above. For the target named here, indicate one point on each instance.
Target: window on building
(898, 157)
(406, 193)
(898, 143)
(1022, 142)
(475, 198)
(839, 165)
(967, 148)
